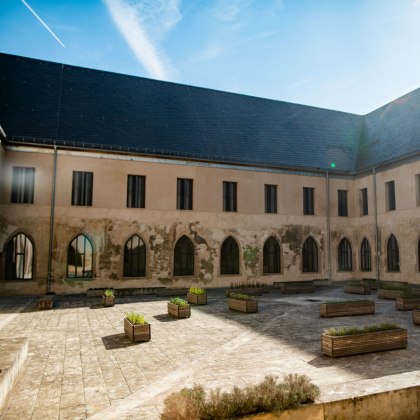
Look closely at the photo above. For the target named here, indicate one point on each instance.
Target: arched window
(80, 258)
(393, 254)
(135, 257)
(309, 256)
(344, 255)
(19, 258)
(271, 256)
(365, 256)
(229, 258)
(184, 257)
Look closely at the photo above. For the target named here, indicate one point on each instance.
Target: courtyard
(80, 364)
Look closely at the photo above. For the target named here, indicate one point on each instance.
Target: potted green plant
(392, 290)
(242, 303)
(108, 298)
(135, 327)
(253, 288)
(197, 295)
(348, 307)
(352, 340)
(179, 308)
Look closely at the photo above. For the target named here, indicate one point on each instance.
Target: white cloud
(416, 3)
(300, 82)
(228, 10)
(143, 23)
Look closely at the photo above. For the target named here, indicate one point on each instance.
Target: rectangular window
(390, 195)
(81, 194)
(229, 196)
(184, 194)
(270, 198)
(308, 200)
(342, 203)
(136, 187)
(364, 209)
(23, 185)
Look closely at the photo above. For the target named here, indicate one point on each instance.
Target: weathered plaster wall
(108, 223)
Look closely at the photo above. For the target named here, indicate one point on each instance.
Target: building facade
(116, 181)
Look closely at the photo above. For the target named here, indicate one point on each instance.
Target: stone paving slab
(80, 364)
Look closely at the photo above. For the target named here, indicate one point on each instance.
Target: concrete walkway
(80, 364)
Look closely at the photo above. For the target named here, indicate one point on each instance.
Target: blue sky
(349, 55)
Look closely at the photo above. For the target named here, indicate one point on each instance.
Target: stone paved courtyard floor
(80, 364)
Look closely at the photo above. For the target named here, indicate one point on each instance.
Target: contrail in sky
(43, 23)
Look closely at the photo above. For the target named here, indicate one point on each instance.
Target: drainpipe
(50, 247)
(376, 223)
(328, 225)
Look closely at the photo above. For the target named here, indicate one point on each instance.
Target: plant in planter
(357, 287)
(108, 298)
(179, 308)
(197, 295)
(410, 300)
(416, 316)
(389, 290)
(242, 303)
(253, 288)
(345, 308)
(46, 301)
(136, 328)
(352, 340)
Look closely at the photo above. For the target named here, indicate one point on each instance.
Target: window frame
(271, 257)
(364, 202)
(230, 196)
(184, 259)
(10, 266)
(391, 203)
(310, 257)
(82, 189)
(23, 185)
(344, 255)
(342, 203)
(393, 255)
(308, 201)
(270, 198)
(365, 256)
(136, 191)
(184, 194)
(141, 257)
(229, 266)
(86, 240)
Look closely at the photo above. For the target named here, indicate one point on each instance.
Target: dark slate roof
(54, 102)
(390, 132)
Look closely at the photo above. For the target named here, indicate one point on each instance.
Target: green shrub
(178, 301)
(135, 318)
(251, 285)
(240, 296)
(197, 291)
(394, 286)
(109, 293)
(356, 330)
(347, 301)
(267, 396)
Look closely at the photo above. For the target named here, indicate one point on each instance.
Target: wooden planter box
(46, 302)
(408, 303)
(373, 283)
(247, 306)
(108, 301)
(137, 332)
(197, 299)
(390, 294)
(295, 287)
(416, 316)
(327, 310)
(336, 346)
(255, 291)
(179, 311)
(357, 289)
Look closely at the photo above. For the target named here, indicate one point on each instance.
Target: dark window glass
(364, 201)
(80, 258)
(136, 188)
(229, 196)
(19, 258)
(271, 198)
(309, 256)
(390, 187)
(271, 256)
(184, 194)
(23, 185)
(81, 194)
(393, 254)
(344, 255)
(135, 257)
(184, 257)
(308, 200)
(365, 256)
(229, 258)
(342, 203)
